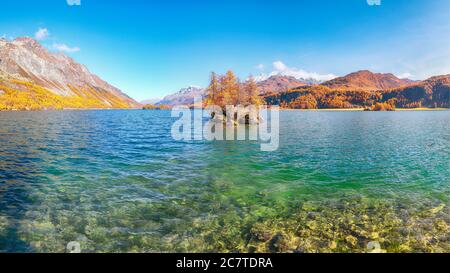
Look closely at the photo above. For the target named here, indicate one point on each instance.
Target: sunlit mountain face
(31, 77)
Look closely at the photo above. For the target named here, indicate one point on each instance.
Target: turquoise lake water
(115, 181)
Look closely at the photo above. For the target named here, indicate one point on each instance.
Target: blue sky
(152, 48)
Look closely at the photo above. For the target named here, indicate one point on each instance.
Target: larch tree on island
(251, 92)
(231, 101)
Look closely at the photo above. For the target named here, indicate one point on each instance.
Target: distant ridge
(150, 101)
(366, 80)
(272, 85)
(363, 89)
(433, 92)
(185, 96)
(355, 90)
(278, 83)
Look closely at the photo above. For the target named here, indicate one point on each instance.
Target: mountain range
(273, 85)
(186, 96)
(366, 80)
(278, 83)
(31, 77)
(364, 89)
(355, 90)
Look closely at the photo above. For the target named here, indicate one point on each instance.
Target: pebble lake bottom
(115, 181)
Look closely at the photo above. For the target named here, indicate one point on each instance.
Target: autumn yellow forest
(23, 95)
(227, 90)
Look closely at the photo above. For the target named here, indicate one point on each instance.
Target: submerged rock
(437, 209)
(375, 247)
(260, 233)
(279, 243)
(351, 240)
(248, 118)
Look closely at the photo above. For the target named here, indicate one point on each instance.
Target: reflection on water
(115, 181)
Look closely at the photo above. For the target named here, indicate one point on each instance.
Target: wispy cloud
(74, 2)
(405, 75)
(42, 34)
(259, 67)
(65, 48)
(282, 69)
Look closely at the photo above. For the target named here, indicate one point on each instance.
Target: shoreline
(423, 109)
(303, 110)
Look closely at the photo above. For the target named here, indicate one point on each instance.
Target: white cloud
(280, 66)
(65, 48)
(74, 2)
(42, 34)
(260, 67)
(405, 75)
(283, 69)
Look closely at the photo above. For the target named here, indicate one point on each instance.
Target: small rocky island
(382, 106)
(155, 107)
(233, 102)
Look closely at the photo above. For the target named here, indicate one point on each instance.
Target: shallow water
(115, 181)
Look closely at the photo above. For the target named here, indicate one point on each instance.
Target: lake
(115, 181)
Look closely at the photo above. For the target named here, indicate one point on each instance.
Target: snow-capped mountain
(307, 81)
(186, 96)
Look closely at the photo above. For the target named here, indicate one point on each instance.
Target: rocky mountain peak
(367, 80)
(25, 41)
(279, 83)
(26, 59)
